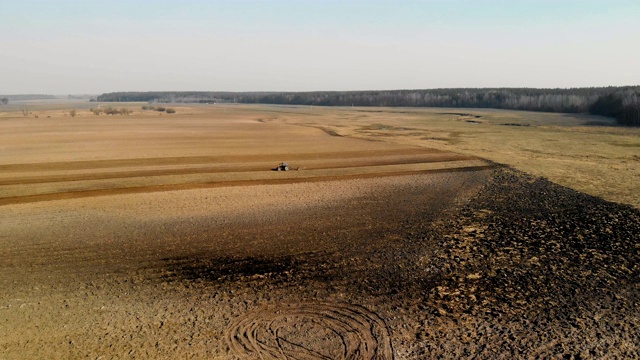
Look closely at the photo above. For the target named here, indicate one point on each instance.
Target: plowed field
(152, 237)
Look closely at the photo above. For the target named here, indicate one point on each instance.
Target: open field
(169, 236)
(586, 153)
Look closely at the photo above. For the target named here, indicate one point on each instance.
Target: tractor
(283, 167)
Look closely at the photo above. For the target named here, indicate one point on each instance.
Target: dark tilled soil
(475, 264)
(524, 269)
(532, 269)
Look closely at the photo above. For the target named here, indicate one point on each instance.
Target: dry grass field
(586, 153)
(163, 236)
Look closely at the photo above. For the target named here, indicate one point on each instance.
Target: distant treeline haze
(622, 103)
(23, 97)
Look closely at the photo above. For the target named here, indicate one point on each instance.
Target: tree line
(622, 103)
(23, 97)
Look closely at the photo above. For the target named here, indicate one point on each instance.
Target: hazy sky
(77, 47)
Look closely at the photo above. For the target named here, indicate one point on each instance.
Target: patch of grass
(159, 109)
(626, 145)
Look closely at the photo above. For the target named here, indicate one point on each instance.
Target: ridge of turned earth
(529, 268)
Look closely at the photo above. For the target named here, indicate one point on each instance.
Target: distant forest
(621, 103)
(24, 97)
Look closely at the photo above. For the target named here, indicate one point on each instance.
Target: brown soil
(530, 269)
(407, 254)
(168, 274)
(462, 264)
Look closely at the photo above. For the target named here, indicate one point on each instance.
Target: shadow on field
(229, 269)
(526, 268)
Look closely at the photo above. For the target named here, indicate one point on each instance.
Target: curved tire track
(310, 331)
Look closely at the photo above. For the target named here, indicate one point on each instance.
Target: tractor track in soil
(310, 331)
(36, 182)
(227, 168)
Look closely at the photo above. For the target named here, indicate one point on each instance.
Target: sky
(93, 47)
